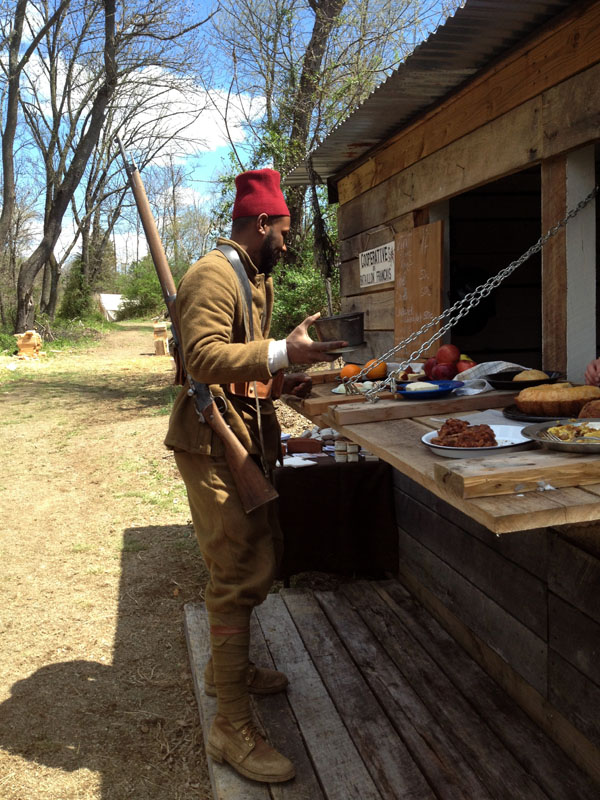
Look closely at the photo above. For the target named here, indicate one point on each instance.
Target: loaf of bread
(591, 410)
(558, 400)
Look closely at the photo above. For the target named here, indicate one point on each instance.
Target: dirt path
(97, 558)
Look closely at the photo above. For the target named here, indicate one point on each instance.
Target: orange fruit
(349, 371)
(378, 372)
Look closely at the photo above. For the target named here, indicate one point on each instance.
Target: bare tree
(82, 61)
(92, 125)
(21, 235)
(311, 62)
(11, 34)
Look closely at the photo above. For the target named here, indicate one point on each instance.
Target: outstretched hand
(301, 349)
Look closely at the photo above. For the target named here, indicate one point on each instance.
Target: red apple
(429, 365)
(448, 354)
(464, 365)
(443, 372)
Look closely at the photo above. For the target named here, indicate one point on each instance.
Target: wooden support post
(581, 264)
(554, 266)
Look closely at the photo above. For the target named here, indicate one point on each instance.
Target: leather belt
(261, 389)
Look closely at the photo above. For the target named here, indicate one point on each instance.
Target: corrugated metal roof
(477, 33)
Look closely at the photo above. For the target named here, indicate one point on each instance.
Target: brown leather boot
(259, 680)
(247, 752)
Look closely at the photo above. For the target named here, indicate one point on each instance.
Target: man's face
(273, 245)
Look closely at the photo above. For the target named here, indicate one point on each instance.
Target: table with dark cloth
(337, 518)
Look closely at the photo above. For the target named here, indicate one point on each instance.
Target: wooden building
(475, 147)
(463, 158)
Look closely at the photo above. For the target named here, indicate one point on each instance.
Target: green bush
(8, 343)
(64, 334)
(77, 299)
(140, 287)
(299, 292)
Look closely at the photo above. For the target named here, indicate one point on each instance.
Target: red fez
(259, 192)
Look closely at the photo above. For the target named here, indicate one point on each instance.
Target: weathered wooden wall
(525, 605)
(532, 108)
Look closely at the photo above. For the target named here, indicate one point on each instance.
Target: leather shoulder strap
(232, 256)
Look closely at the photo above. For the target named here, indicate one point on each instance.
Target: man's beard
(268, 256)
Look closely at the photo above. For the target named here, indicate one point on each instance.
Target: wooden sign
(419, 276)
(376, 265)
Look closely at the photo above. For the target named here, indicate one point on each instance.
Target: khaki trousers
(241, 551)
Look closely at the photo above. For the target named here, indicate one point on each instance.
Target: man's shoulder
(211, 265)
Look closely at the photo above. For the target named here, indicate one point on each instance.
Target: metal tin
(345, 327)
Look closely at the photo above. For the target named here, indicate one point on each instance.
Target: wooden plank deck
(382, 703)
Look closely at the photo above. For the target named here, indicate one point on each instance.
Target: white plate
(509, 437)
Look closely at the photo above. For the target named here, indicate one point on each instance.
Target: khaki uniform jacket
(213, 343)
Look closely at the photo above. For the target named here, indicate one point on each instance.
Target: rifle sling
(258, 389)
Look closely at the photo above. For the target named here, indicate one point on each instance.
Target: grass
(80, 548)
(61, 334)
(133, 547)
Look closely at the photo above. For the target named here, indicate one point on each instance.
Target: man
(241, 550)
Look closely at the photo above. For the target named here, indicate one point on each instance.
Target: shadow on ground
(134, 721)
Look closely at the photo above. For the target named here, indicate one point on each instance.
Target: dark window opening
(489, 228)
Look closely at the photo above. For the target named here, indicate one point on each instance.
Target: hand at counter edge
(297, 384)
(592, 373)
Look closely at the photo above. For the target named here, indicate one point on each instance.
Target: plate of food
(567, 435)
(555, 401)
(512, 412)
(426, 390)
(518, 379)
(457, 438)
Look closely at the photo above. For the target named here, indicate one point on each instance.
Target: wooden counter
(392, 430)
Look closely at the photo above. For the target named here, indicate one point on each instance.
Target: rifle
(253, 488)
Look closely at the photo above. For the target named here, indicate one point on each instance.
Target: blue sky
(204, 164)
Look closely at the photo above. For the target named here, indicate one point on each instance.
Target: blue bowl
(446, 388)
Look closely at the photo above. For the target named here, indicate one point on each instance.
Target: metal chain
(455, 312)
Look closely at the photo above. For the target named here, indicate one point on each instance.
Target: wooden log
(509, 143)
(483, 752)
(529, 551)
(574, 575)
(518, 646)
(341, 771)
(161, 347)
(545, 762)
(513, 588)
(567, 48)
(225, 782)
(420, 726)
(575, 636)
(575, 696)
(570, 113)
(516, 473)
(353, 414)
(378, 308)
(381, 748)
